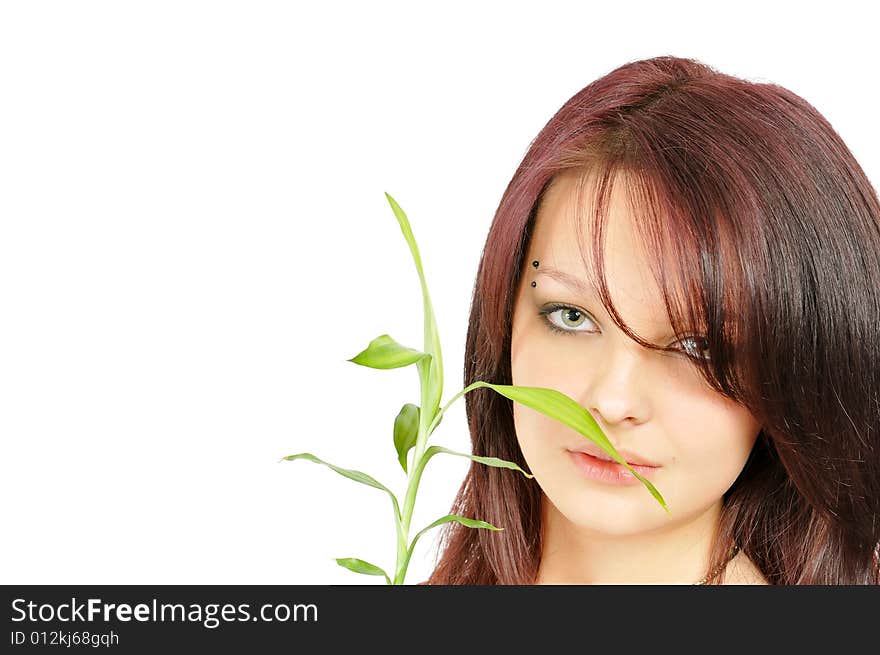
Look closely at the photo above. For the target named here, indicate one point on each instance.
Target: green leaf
(471, 523)
(488, 461)
(560, 407)
(357, 476)
(430, 372)
(406, 431)
(360, 566)
(385, 352)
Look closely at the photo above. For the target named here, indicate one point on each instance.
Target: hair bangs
(693, 267)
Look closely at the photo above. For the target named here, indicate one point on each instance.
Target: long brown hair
(775, 235)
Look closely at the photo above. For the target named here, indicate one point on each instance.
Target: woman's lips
(609, 472)
(631, 458)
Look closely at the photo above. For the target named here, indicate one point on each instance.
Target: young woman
(694, 259)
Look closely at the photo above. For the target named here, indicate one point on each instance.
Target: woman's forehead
(564, 229)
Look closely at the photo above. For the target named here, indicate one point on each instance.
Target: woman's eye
(701, 351)
(563, 319)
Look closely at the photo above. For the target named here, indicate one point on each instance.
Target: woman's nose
(617, 386)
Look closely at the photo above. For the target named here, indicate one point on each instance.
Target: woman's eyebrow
(572, 282)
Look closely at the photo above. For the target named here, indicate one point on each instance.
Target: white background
(194, 238)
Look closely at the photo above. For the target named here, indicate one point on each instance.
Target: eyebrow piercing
(535, 263)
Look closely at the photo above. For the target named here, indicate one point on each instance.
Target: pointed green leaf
(360, 566)
(560, 407)
(471, 523)
(406, 431)
(385, 352)
(430, 373)
(357, 476)
(488, 461)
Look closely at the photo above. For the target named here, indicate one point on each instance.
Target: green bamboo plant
(414, 425)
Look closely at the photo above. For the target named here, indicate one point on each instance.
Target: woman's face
(653, 404)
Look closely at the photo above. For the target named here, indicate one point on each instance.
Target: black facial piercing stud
(534, 284)
(535, 263)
